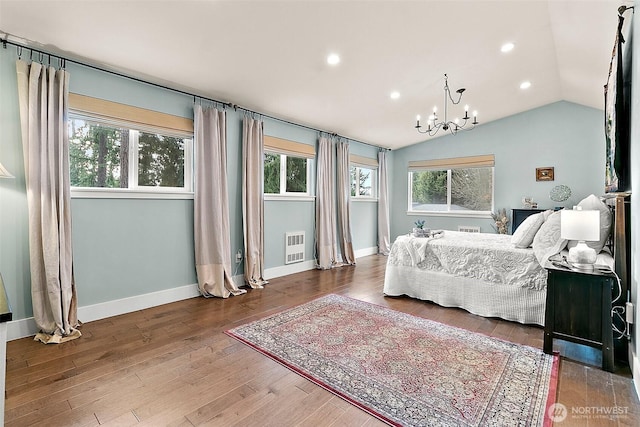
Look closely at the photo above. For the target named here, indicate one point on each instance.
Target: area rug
(406, 370)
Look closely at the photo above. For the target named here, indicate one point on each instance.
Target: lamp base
(582, 256)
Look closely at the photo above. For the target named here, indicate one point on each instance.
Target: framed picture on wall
(544, 174)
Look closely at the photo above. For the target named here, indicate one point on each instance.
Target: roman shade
(363, 161)
(126, 114)
(292, 148)
(453, 163)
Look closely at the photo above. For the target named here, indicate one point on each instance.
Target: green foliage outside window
(99, 157)
(361, 182)
(430, 187)
(96, 155)
(471, 189)
(296, 175)
(294, 168)
(160, 161)
(271, 173)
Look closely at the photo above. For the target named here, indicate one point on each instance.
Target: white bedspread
(487, 257)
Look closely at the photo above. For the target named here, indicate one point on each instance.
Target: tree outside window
(285, 174)
(362, 182)
(107, 156)
(469, 189)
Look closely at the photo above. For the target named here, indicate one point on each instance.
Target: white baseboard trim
(366, 252)
(285, 270)
(21, 328)
(27, 327)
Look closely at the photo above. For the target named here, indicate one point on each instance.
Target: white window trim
(125, 193)
(449, 212)
(291, 197)
(134, 191)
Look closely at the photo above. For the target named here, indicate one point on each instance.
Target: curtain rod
(5, 42)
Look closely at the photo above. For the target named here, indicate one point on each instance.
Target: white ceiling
(270, 56)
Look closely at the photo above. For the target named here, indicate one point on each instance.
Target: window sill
(114, 193)
(288, 198)
(364, 199)
(452, 214)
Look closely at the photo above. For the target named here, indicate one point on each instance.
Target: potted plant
(419, 230)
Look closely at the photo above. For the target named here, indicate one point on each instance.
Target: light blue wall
(130, 247)
(14, 248)
(364, 213)
(567, 136)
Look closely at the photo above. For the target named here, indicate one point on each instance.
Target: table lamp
(583, 226)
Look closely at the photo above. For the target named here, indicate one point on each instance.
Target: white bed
(490, 275)
(482, 273)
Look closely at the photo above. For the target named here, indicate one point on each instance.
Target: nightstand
(579, 310)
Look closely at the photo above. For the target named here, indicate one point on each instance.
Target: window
(285, 174)
(461, 185)
(287, 167)
(363, 182)
(104, 155)
(363, 171)
(118, 150)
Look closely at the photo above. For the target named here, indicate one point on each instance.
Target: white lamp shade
(4, 173)
(580, 225)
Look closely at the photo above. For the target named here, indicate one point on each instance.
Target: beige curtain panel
(344, 196)
(325, 207)
(384, 240)
(252, 202)
(211, 205)
(43, 99)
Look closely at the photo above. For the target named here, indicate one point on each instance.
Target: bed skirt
(518, 304)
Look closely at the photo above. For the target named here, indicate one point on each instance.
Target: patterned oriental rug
(406, 370)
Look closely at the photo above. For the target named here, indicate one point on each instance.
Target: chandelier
(433, 125)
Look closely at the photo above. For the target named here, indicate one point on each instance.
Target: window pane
(365, 182)
(296, 175)
(160, 161)
(271, 173)
(353, 173)
(429, 191)
(471, 189)
(98, 155)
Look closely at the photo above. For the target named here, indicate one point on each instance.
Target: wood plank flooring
(172, 365)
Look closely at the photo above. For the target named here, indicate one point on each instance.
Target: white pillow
(593, 203)
(547, 241)
(526, 231)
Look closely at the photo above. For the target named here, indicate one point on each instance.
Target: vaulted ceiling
(270, 56)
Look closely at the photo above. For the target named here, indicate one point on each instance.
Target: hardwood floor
(173, 365)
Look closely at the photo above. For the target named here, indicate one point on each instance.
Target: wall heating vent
(293, 247)
(469, 228)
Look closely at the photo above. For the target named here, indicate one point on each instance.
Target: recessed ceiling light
(525, 84)
(394, 95)
(507, 47)
(333, 59)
